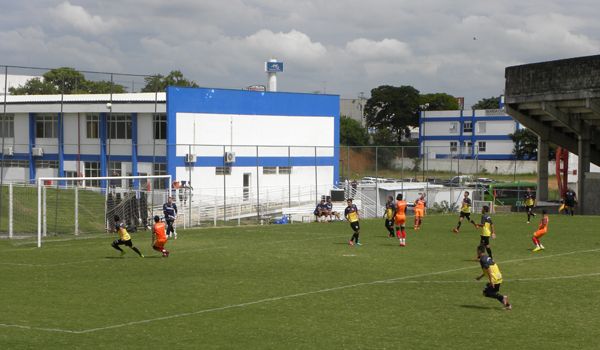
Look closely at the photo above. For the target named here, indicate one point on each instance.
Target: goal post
(478, 205)
(74, 202)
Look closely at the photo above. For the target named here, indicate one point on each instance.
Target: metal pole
(188, 194)
(44, 209)
(76, 210)
(10, 210)
(39, 221)
(224, 188)
(316, 178)
(257, 188)
(3, 137)
(376, 182)
(289, 179)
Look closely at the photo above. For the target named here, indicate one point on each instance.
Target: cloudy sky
(343, 47)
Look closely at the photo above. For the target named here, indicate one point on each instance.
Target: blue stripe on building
(31, 145)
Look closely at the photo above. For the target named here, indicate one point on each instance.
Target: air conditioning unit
(8, 151)
(37, 152)
(190, 158)
(229, 157)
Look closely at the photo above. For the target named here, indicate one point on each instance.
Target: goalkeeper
(170, 213)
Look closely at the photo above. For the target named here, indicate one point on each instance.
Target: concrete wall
(592, 198)
(471, 166)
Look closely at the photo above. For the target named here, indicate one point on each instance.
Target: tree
(65, 80)
(526, 144)
(487, 103)
(159, 82)
(352, 133)
(438, 102)
(393, 108)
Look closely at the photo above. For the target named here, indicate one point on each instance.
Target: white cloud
(378, 50)
(80, 19)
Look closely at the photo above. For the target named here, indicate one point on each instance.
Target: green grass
(302, 287)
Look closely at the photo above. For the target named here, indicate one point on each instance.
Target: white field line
(178, 251)
(297, 295)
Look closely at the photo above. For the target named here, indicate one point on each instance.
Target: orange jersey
(420, 204)
(159, 230)
(401, 209)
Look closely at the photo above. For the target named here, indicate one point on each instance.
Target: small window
(46, 126)
(119, 127)
(92, 169)
(92, 126)
(160, 126)
(285, 170)
(481, 127)
(70, 173)
(223, 170)
(7, 125)
(269, 170)
(468, 127)
(453, 128)
(453, 146)
(160, 169)
(46, 164)
(12, 163)
(482, 146)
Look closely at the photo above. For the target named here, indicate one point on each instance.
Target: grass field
(302, 287)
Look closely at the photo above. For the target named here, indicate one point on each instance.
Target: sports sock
(458, 226)
(136, 250)
(535, 241)
(403, 233)
(489, 251)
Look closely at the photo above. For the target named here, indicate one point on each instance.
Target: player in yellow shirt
(487, 229)
(351, 214)
(465, 212)
(419, 211)
(529, 203)
(124, 238)
(492, 271)
(389, 216)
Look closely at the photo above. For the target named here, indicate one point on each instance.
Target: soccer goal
(80, 205)
(478, 205)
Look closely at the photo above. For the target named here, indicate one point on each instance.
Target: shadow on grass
(477, 307)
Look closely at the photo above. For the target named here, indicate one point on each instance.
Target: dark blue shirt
(169, 210)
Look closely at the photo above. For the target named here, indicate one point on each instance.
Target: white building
(228, 142)
(476, 134)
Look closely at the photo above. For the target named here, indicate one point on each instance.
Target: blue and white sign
(273, 67)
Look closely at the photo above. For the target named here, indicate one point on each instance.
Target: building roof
(159, 97)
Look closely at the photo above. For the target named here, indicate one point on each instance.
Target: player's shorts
(529, 208)
(490, 291)
(400, 220)
(540, 233)
(389, 223)
(355, 226)
(465, 215)
(419, 212)
(127, 243)
(485, 240)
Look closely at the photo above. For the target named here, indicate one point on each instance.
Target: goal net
(478, 205)
(86, 205)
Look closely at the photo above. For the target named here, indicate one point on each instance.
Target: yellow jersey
(122, 231)
(490, 268)
(351, 213)
(466, 205)
(486, 223)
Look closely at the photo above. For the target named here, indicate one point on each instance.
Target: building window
(160, 126)
(46, 164)
(481, 145)
(269, 170)
(12, 163)
(223, 170)
(70, 173)
(453, 146)
(92, 126)
(46, 126)
(481, 127)
(160, 169)
(285, 170)
(114, 168)
(453, 128)
(7, 125)
(468, 127)
(92, 169)
(119, 127)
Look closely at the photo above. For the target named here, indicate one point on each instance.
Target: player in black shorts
(389, 216)
(465, 212)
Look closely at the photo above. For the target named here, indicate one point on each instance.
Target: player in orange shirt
(400, 219)
(159, 236)
(419, 211)
(542, 229)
